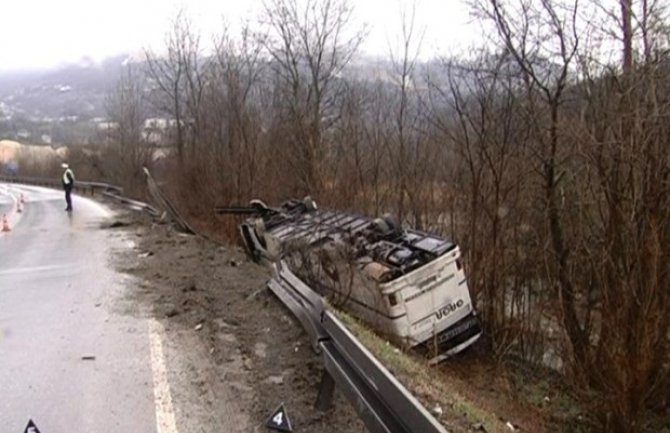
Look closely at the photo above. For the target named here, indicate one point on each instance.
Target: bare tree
(234, 107)
(542, 38)
(479, 109)
(605, 186)
(406, 146)
(174, 79)
(128, 150)
(310, 47)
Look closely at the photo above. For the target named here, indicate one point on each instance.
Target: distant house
(46, 138)
(107, 126)
(155, 129)
(159, 154)
(153, 137)
(156, 123)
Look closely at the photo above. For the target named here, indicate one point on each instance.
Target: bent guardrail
(164, 203)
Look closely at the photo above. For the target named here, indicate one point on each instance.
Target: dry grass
(429, 383)
(477, 394)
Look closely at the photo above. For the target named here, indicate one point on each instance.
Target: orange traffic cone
(5, 223)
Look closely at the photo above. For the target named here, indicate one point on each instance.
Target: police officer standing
(68, 184)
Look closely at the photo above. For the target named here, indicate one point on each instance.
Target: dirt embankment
(229, 342)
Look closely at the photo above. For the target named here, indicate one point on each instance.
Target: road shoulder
(233, 353)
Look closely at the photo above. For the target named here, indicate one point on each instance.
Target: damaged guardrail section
(383, 403)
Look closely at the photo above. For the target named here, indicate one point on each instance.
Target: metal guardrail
(90, 187)
(116, 193)
(383, 403)
(110, 191)
(164, 203)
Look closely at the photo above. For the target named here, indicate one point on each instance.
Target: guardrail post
(324, 399)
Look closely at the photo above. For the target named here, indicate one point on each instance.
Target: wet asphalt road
(60, 301)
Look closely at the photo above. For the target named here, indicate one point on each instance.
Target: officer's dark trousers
(68, 198)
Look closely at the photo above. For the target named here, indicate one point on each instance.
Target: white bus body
(407, 284)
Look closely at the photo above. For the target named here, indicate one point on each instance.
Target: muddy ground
(234, 353)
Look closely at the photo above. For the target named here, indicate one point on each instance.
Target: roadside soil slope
(229, 342)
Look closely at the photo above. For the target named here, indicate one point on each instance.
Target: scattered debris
(88, 358)
(437, 410)
(247, 363)
(190, 288)
(275, 380)
(260, 349)
(171, 313)
(256, 292)
(147, 254)
(116, 224)
(478, 427)
(223, 324)
(228, 338)
(198, 327)
(510, 426)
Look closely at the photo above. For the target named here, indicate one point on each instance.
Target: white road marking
(32, 269)
(165, 420)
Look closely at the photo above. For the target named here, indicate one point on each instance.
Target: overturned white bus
(405, 283)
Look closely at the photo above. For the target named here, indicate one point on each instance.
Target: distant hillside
(73, 90)
(60, 105)
(67, 105)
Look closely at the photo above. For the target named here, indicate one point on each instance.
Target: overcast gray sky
(49, 32)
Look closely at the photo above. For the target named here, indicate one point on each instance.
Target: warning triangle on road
(279, 420)
(31, 427)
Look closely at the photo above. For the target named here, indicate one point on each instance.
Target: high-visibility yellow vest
(66, 181)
